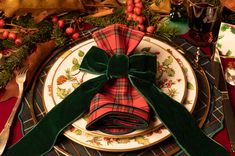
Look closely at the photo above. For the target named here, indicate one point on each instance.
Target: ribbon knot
(142, 66)
(122, 62)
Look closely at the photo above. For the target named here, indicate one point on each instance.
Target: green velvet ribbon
(140, 70)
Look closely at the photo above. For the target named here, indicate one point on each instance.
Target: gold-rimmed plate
(148, 138)
(192, 84)
(200, 114)
(65, 76)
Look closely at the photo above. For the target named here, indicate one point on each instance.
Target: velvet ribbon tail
(178, 121)
(43, 136)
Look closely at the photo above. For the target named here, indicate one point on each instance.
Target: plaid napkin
(118, 108)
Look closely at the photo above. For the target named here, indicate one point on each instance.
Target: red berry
(129, 2)
(18, 42)
(61, 23)
(150, 29)
(2, 23)
(130, 8)
(139, 5)
(137, 11)
(12, 36)
(140, 27)
(134, 17)
(5, 34)
(55, 19)
(140, 19)
(137, 1)
(129, 18)
(69, 30)
(75, 36)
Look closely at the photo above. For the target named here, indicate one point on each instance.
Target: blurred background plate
(226, 38)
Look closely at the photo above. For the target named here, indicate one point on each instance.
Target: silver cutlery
(4, 135)
(230, 75)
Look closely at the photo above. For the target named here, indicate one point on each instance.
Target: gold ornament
(162, 6)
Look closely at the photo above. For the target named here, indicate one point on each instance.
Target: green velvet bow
(140, 70)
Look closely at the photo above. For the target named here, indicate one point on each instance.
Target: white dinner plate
(175, 77)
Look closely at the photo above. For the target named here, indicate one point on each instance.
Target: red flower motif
(169, 84)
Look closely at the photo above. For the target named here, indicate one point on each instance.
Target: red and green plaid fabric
(118, 108)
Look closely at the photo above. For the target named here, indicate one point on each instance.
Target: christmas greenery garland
(33, 33)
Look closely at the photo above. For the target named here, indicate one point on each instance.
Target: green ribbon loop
(141, 73)
(142, 66)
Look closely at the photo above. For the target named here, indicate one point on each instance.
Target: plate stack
(175, 76)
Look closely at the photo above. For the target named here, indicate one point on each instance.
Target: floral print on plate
(64, 76)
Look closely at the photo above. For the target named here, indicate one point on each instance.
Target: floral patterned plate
(65, 76)
(149, 138)
(192, 85)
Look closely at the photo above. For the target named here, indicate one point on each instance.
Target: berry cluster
(2, 23)
(134, 13)
(10, 35)
(71, 27)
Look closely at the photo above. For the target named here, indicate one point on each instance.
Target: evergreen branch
(165, 31)
(19, 54)
(7, 43)
(5, 76)
(117, 17)
(25, 21)
(58, 36)
(8, 64)
(152, 18)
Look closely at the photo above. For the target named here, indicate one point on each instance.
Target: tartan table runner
(217, 120)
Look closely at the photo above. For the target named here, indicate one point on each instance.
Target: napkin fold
(118, 108)
(140, 69)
